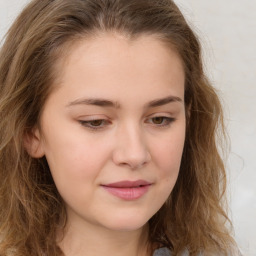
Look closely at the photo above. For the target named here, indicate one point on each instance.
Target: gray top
(162, 252)
(166, 252)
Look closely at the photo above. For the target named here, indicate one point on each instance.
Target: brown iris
(96, 122)
(158, 120)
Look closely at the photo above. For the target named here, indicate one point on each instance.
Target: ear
(33, 143)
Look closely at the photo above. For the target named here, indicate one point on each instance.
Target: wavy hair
(32, 211)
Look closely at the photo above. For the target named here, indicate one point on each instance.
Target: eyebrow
(163, 101)
(95, 102)
(107, 103)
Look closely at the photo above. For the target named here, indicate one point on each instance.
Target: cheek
(168, 153)
(75, 160)
(75, 169)
(167, 159)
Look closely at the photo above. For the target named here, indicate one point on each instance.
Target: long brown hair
(32, 211)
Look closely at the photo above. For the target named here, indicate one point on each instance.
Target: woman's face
(113, 131)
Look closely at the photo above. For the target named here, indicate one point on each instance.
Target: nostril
(131, 152)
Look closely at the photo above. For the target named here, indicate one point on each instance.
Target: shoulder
(162, 252)
(166, 252)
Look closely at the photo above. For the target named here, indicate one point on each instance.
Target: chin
(127, 223)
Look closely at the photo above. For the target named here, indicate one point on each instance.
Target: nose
(131, 149)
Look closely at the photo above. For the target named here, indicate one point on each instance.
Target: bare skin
(118, 115)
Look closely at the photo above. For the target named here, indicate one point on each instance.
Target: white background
(227, 29)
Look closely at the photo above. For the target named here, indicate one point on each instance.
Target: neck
(98, 241)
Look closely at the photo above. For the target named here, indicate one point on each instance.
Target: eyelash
(166, 121)
(88, 124)
(103, 123)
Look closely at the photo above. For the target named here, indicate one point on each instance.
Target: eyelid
(88, 123)
(167, 120)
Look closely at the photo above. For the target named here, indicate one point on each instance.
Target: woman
(108, 134)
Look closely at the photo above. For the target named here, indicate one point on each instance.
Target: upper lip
(128, 184)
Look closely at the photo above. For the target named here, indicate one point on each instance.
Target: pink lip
(128, 190)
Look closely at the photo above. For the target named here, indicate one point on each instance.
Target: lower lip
(128, 193)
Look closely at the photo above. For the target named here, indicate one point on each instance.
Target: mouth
(128, 190)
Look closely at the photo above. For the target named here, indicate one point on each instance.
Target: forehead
(112, 61)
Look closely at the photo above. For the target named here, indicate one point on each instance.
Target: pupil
(158, 120)
(96, 122)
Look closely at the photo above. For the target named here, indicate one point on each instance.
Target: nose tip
(137, 160)
(131, 151)
(133, 160)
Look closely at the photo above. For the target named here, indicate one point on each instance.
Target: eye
(161, 121)
(158, 120)
(95, 124)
